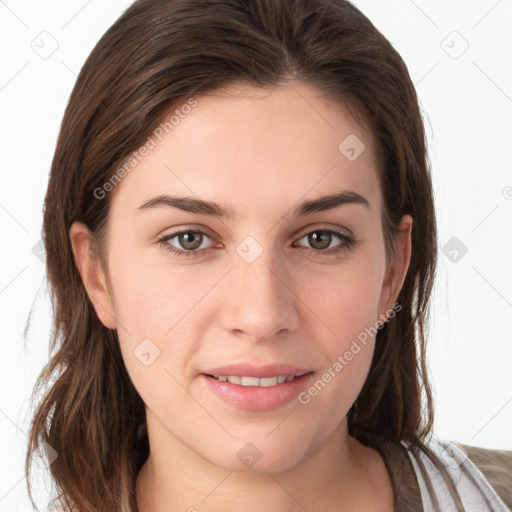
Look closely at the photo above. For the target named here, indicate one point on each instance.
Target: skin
(247, 148)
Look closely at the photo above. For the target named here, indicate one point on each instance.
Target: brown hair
(158, 54)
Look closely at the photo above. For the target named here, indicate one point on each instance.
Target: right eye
(190, 239)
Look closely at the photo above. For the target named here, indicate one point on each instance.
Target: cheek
(345, 300)
(346, 309)
(162, 315)
(347, 351)
(151, 296)
(151, 312)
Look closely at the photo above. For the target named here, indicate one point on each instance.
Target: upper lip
(250, 370)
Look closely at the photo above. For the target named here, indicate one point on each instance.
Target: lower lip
(255, 398)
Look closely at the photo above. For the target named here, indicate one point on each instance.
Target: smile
(252, 393)
(263, 382)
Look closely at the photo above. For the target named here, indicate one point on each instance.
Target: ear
(92, 274)
(395, 274)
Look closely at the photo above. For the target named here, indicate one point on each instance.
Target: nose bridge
(260, 302)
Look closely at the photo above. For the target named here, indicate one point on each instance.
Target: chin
(259, 456)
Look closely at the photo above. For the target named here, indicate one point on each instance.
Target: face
(271, 289)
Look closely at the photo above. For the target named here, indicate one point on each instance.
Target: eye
(192, 242)
(320, 239)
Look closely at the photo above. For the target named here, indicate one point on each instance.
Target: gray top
(476, 492)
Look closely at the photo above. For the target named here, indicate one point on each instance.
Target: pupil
(323, 235)
(190, 235)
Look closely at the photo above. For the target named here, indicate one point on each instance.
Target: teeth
(249, 381)
(255, 381)
(268, 381)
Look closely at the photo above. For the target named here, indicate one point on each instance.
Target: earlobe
(395, 276)
(92, 274)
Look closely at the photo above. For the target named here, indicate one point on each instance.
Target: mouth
(257, 388)
(263, 382)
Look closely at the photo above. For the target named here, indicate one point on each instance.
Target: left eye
(324, 237)
(192, 240)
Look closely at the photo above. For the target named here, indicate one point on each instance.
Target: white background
(466, 98)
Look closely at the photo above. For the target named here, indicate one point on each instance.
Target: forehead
(246, 147)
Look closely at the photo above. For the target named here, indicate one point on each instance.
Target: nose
(259, 300)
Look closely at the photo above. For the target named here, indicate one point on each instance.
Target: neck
(341, 473)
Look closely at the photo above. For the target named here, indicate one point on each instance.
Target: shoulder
(485, 489)
(496, 466)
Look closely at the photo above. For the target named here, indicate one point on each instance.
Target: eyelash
(348, 243)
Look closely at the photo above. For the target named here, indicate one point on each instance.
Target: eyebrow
(199, 206)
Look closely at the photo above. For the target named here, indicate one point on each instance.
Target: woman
(241, 246)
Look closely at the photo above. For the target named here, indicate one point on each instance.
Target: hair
(155, 57)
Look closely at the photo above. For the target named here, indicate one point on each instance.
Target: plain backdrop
(459, 55)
